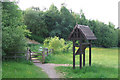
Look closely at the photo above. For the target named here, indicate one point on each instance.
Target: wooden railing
(29, 54)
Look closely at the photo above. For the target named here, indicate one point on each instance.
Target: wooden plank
(43, 57)
(17, 52)
(36, 52)
(14, 56)
(83, 44)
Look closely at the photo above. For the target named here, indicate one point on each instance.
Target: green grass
(104, 62)
(13, 69)
(95, 71)
(101, 56)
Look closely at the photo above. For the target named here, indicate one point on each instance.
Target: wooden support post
(80, 54)
(30, 55)
(90, 54)
(80, 61)
(84, 58)
(73, 54)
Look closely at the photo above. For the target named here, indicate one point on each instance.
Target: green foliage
(13, 29)
(35, 47)
(106, 35)
(58, 45)
(35, 23)
(13, 39)
(55, 43)
(11, 14)
(36, 38)
(54, 22)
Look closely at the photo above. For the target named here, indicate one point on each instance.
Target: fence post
(43, 56)
(30, 54)
(27, 57)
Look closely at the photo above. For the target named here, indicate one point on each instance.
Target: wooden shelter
(81, 37)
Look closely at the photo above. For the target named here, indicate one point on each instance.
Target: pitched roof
(84, 31)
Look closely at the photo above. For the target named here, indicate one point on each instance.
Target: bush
(13, 39)
(58, 45)
(55, 43)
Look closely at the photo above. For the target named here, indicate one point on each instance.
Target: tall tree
(13, 29)
(68, 22)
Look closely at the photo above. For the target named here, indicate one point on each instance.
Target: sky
(102, 10)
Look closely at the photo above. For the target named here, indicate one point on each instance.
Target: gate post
(43, 56)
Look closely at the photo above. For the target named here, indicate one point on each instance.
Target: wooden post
(80, 61)
(27, 54)
(84, 58)
(43, 56)
(80, 54)
(73, 54)
(30, 54)
(90, 54)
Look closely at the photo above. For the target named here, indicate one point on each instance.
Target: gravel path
(49, 69)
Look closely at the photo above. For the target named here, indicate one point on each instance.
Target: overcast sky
(102, 10)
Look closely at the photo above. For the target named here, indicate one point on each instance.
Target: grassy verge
(21, 69)
(101, 56)
(95, 71)
(104, 64)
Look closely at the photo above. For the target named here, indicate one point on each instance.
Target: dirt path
(49, 69)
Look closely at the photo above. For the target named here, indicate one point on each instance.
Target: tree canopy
(54, 22)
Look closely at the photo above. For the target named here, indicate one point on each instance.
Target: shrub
(55, 43)
(58, 45)
(13, 39)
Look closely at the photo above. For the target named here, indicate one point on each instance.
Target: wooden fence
(28, 54)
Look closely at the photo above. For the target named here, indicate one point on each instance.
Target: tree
(68, 22)
(11, 14)
(53, 20)
(13, 29)
(34, 19)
